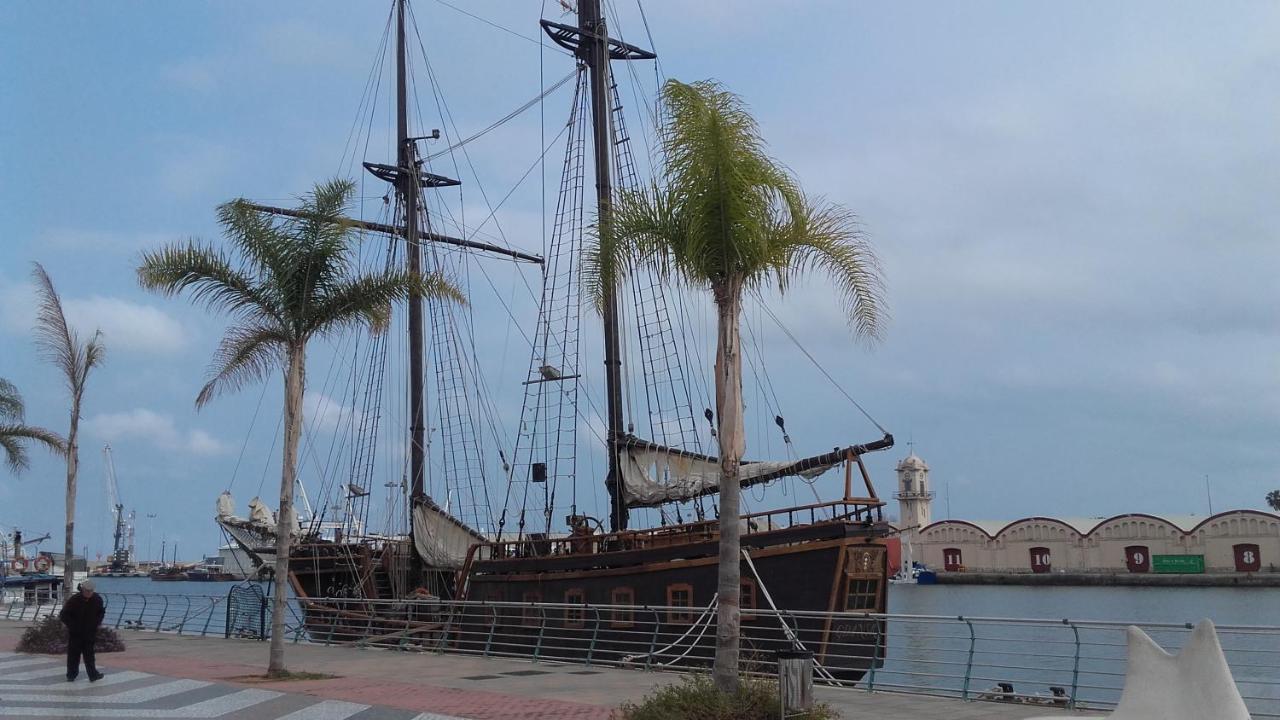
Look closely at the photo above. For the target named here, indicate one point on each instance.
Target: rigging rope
(821, 369)
(505, 119)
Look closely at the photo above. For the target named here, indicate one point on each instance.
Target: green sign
(1177, 563)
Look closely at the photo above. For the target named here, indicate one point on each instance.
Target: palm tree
(14, 433)
(1273, 499)
(292, 281)
(62, 346)
(730, 219)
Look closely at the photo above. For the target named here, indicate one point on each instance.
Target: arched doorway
(1040, 560)
(1248, 557)
(1137, 558)
(952, 559)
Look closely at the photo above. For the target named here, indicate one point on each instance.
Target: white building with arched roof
(1230, 542)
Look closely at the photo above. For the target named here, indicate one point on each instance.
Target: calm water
(935, 655)
(1225, 606)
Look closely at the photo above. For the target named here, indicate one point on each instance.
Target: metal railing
(1065, 663)
(180, 614)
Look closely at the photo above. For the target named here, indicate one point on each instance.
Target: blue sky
(1074, 204)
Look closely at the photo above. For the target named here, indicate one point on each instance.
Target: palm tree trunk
(732, 447)
(73, 466)
(295, 381)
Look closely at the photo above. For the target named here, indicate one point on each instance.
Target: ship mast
(407, 187)
(596, 55)
(590, 42)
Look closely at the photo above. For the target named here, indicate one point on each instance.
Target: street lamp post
(150, 524)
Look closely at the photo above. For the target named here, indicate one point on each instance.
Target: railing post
(208, 618)
(186, 612)
(448, 628)
(123, 608)
(542, 631)
(1075, 665)
(875, 653)
(595, 633)
(968, 665)
(163, 612)
(493, 627)
(142, 613)
(653, 641)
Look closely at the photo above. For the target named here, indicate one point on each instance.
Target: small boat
(209, 573)
(168, 573)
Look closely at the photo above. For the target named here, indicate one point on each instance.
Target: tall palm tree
(1273, 499)
(729, 219)
(14, 433)
(62, 346)
(285, 283)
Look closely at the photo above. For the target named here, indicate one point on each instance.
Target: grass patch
(49, 636)
(695, 697)
(285, 676)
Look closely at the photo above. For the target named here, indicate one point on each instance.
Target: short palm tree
(727, 218)
(1273, 499)
(74, 358)
(15, 433)
(287, 282)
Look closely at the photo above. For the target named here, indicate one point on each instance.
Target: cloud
(126, 326)
(323, 413)
(156, 428)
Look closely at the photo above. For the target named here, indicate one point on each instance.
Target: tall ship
(510, 517)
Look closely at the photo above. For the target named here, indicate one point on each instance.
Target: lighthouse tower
(914, 496)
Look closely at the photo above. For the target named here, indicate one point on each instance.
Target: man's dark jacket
(82, 615)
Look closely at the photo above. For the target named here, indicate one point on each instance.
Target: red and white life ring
(43, 563)
(18, 564)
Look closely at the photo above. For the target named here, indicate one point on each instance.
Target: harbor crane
(122, 536)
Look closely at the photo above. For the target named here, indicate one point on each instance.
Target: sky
(1074, 205)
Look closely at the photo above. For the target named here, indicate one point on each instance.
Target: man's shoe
(95, 678)
(71, 678)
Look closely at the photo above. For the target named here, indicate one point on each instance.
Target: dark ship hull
(822, 566)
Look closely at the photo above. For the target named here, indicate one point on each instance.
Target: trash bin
(795, 680)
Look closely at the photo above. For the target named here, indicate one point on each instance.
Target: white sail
(652, 476)
(440, 539)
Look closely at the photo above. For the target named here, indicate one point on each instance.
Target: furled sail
(653, 474)
(226, 505)
(441, 539)
(260, 514)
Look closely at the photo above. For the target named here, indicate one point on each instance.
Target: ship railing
(1052, 662)
(859, 510)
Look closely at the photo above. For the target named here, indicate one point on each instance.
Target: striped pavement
(35, 686)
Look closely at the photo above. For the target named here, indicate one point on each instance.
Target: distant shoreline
(1260, 580)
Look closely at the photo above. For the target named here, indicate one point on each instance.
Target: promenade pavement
(167, 676)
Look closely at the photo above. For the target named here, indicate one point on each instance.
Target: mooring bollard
(795, 681)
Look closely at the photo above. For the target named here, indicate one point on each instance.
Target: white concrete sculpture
(1195, 684)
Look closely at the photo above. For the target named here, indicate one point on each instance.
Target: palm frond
(11, 405)
(367, 299)
(245, 354)
(92, 355)
(55, 339)
(211, 275)
(645, 230)
(15, 454)
(12, 437)
(826, 237)
(255, 235)
(323, 233)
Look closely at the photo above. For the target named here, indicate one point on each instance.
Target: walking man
(82, 615)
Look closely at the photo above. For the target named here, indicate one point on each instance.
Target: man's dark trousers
(81, 645)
